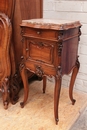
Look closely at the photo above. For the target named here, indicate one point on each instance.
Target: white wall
(72, 10)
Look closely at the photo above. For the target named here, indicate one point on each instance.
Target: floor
(81, 123)
(38, 113)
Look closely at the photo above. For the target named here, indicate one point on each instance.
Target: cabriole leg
(5, 89)
(57, 89)
(25, 83)
(56, 97)
(73, 77)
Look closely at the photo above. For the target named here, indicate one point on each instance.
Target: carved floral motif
(39, 71)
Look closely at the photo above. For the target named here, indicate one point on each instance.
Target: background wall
(72, 10)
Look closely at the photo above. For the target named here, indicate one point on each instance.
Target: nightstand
(50, 48)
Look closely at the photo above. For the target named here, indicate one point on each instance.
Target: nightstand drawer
(41, 33)
(52, 35)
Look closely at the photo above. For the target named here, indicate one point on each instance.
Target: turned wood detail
(60, 46)
(60, 43)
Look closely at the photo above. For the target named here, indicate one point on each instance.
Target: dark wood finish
(50, 49)
(15, 11)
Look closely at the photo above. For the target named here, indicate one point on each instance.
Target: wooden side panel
(24, 9)
(69, 53)
(30, 9)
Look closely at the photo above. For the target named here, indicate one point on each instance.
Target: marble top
(51, 24)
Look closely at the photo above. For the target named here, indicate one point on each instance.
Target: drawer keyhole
(40, 44)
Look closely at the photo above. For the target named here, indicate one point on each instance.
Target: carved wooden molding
(60, 46)
(77, 63)
(5, 64)
(41, 44)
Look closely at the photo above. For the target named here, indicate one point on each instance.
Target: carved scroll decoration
(41, 44)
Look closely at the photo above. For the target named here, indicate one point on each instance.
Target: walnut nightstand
(50, 48)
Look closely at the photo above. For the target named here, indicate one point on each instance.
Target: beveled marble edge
(51, 24)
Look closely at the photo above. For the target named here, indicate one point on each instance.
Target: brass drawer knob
(38, 32)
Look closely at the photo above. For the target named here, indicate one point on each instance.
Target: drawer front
(40, 69)
(48, 34)
(41, 33)
(42, 51)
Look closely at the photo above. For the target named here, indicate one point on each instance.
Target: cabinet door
(40, 50)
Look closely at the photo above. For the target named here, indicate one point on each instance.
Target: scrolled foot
(5, 105)
(22, 104)
(43, 91)
(15, 100)
(73, 101)
(57, 121)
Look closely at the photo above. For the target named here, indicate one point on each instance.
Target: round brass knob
(38, 32)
